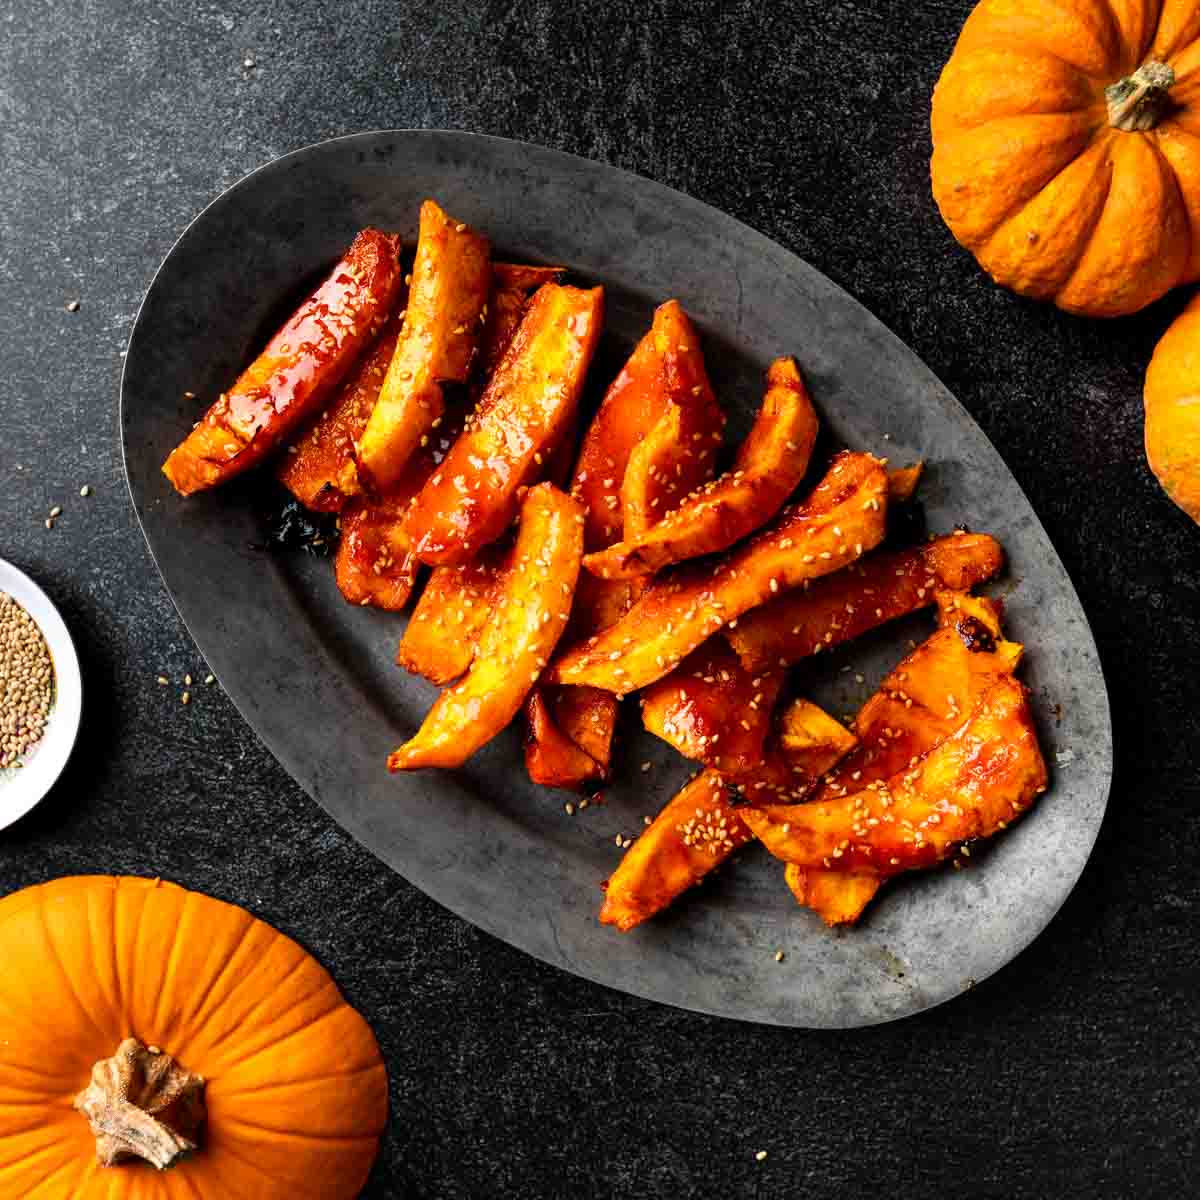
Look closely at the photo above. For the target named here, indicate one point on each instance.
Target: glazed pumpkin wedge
(842, 519)
(551, 757)
(769, 466)
(919, 704)
(449, 286)
(696, 832)
(528, 617)
(971, 785)
(699, 828)
(512, 285)
(711, 709)
(842, 607)
(525, 410)
(807, 745)
(903, 481)
(297, 373)
(375, 564)
(662, 395)
(443, 633)
(319, 468)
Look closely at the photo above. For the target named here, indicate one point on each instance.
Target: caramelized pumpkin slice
(769, 466)
(443, 633)
(807, 745)
(526, 408)
(512, 284)
(552, 758)
(969, 786)
(528, 617)
(844, 606)
(838, 897)
(952, 668)
(842, 519)
(699, 828)
(450, 280)
(297, 373)
(665, 375)
(902, 482)
(665, 368)
(695, 832)
(710, 709)
(319, 468)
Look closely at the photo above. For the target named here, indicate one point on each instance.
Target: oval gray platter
(315, 677)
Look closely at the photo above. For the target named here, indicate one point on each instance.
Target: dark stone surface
(1071, 1072)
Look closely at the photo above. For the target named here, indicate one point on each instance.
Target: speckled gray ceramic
(315, 678)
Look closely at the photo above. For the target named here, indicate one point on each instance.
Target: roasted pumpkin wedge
(952, 668)
(319, 468)
(298, 372)
(528, 617)
(512, 285)
(842, 519)
(443, 632)
(693, 834)
(844, 606)
(971, 785)
(552, 757)
(838, 897)
(807, 745)
(699, 828)
(902, 482)
(451, 277)
(769, 466)
(375, 564)
(525, 410)
(373, 567)
(630, 466)
(711, 709)
(666, 367)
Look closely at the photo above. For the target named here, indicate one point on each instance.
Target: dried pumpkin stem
(141, 1103)
(1140, 101)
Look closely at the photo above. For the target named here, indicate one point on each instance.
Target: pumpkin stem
(141, 1103)
(1140, 101)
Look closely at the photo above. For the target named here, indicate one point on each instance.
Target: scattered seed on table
(569, 809)
(72, 306)
(762, 1154)
(163, 681)
(188, 680)
(186, 698)
(210, 679)
(779, 956)
(26, 682)
(56, 511)
(85, 490)
(49, 523)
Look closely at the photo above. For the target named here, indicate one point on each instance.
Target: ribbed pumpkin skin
(297, 1091)
(1172, 398)
(1031, 177)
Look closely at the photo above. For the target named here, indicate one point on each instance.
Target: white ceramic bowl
(22, 787)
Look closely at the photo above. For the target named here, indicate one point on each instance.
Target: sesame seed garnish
(72, 306)
(762, 1154)
(186, 698)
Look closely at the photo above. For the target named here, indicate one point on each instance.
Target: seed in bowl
(26, 682)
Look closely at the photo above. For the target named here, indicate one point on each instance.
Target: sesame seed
(72, 306)
(85, 490)
(762, 1154)
(186, 698)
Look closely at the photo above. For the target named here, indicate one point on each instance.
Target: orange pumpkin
(1172, 399)
(1066, 156)
(291, 1076)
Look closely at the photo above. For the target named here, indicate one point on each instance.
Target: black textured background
(1072, 1072)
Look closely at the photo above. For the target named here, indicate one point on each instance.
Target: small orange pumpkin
(1172, 398)
(291, 1076)
(1066, 156)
